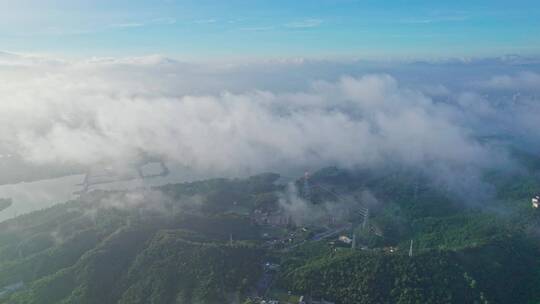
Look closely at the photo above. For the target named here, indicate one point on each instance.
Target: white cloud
(306, 23)
(231, 119)
(164, 20)
(127, 24)
(111, 110)
(155, 21)
(521, 81)
(258, 28)
(205, 21)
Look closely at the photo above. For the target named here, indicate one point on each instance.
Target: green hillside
(201, 242)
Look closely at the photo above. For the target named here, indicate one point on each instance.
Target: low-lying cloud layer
(230, 120)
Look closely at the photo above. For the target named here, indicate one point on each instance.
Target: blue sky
(271, 28)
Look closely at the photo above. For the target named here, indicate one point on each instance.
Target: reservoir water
(37, 195)
(31, 196)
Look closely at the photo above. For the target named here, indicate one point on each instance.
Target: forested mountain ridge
(204, 242)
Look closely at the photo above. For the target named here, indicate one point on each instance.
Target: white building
(345, 239)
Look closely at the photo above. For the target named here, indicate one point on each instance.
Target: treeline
(505, 271)
(139, 265)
